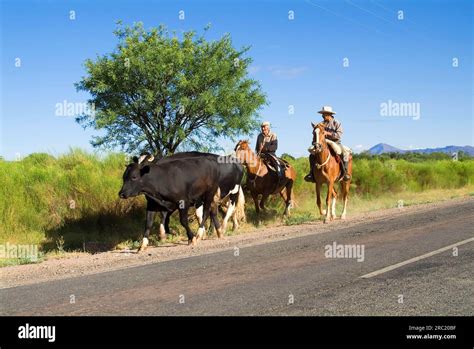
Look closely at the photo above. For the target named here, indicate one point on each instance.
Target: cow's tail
(240, 207)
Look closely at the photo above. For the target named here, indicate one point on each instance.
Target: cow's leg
(230, 211)
(318, 198)
(164, 225)
(183, 218)
(150, 216)
(206, 211)
(167, 222)
(198, 214)
(215, 220)
(235, 221)
(199, 211)
(239, 212)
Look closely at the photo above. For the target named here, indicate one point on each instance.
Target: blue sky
(299, 62)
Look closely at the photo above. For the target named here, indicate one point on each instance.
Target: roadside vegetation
(70, 203)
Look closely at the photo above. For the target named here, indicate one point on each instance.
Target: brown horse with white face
(327, 170)
(260, 181)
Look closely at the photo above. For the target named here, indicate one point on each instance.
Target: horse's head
(244, 153)
(319, 140)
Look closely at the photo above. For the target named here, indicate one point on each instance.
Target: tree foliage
(157, 92)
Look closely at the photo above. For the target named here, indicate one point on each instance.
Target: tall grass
(43, 198)
(73, 198)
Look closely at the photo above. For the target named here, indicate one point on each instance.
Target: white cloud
(359, 148)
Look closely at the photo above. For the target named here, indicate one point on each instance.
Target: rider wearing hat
(333, 133)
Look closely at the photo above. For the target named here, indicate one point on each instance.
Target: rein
(319, 166)
(324, 163)
(256, 173)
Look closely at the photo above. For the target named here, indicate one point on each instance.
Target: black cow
(180, 181)
(230, 190)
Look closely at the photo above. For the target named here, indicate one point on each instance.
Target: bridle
(322, 148)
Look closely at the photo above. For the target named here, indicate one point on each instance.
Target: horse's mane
(242, 142)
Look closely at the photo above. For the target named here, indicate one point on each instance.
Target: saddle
(274, 164)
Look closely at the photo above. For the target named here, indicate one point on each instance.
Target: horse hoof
(343, 217)
(193, 241)
(162, 237)
(143, 245)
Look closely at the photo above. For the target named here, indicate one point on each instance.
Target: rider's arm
(272, 145)
(335, 134)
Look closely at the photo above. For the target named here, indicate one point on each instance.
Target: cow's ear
(144, 170)
(135, 159)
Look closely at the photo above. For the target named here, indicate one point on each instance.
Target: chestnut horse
(261, 181)
(327, 170)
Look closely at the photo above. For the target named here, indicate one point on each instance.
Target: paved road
(290, 277)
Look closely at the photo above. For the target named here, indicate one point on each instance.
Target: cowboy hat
(326, 110)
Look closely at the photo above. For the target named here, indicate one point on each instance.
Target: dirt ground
(85, 264)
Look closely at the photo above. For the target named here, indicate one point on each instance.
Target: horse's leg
(255, 200)
(318, 198)
(345, 194)
(288, 187)
(333, 203)
(328, 201)
(263, 200)
(284, 195)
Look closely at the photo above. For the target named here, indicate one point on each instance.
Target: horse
(327, 170)
(260, 180)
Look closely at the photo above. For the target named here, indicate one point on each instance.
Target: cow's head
(133, 176)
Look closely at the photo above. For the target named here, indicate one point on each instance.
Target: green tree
(156, 92)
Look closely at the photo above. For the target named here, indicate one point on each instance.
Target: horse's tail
(240, 207)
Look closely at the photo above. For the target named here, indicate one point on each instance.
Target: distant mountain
(449, 149)
(386, 148)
